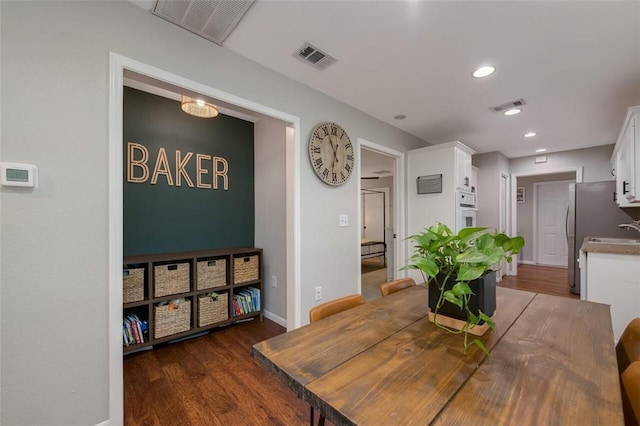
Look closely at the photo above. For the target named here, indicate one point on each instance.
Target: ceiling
(576, 65)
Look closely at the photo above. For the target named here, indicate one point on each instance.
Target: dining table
(551, 361)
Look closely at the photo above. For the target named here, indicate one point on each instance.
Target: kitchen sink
(626, 241)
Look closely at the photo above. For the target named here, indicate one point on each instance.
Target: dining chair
(631, 384)
(326, 310)
(628, 347)
(628, 352)
(396, 285)
(334, 307)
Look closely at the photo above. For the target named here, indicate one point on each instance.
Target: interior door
(503, 221)
(552, 199)
(374, 215)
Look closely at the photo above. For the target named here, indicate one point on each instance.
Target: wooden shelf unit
(145, 308)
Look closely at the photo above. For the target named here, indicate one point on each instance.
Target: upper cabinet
(626, 160)
(463, 169)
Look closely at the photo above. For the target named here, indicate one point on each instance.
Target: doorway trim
(536, 216)
(399, 220)
(117, 66)
(513, 266)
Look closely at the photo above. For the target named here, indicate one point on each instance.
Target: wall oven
(465, 210)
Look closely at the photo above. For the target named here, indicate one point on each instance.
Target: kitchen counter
(612, 248)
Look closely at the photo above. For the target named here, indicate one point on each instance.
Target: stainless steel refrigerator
(592, 212)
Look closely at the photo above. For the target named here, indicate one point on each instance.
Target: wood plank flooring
(212, 380)
(540, 279)
(209, 380)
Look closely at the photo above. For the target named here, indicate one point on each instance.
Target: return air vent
(213, 20)
(509, 105)
(314, 56)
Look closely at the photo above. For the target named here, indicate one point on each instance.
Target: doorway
(522, 207)
(119, 66)
(380, 220)
(551, 200)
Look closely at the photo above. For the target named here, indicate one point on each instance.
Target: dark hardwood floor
(209, 380)
(540, 279)
(212, 380)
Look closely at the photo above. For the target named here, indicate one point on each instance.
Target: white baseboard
(275, 318)
(526, 262)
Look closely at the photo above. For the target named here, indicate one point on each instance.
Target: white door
(375, 212)
(503, 220)
(551, 208)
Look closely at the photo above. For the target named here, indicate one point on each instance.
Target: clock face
(331, 153)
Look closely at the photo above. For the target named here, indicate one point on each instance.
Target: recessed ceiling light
(541, 150)
(512, 111)
(400, 117)
(484, 71)
(530, 134)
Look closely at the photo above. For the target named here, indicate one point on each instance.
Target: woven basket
(211, 311)
(171, 319)
(132, 285)
(212, 273)
(245, 269)
(171, 279)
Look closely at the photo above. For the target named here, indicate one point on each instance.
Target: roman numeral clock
(331, 153)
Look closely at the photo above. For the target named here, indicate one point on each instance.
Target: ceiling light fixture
(512, 111)
(530, 134)
(484, 71)
(198, 107)
(541, 150)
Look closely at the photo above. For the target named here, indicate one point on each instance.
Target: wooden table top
(552, 362)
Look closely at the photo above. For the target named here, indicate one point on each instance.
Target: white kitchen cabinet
(463, 169)
(612, 279)
(626, 160)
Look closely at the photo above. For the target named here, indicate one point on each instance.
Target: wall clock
(331, 153)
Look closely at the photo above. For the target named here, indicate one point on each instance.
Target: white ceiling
(576, 64)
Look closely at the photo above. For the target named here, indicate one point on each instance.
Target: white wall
(270, 212)
(596, 163)
(424, 210)
(55, 91)
(490, 167)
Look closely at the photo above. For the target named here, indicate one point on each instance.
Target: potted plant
(454, 265)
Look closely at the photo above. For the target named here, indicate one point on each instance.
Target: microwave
(465, 199)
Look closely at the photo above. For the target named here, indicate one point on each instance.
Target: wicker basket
(245, 269)
(132, 284)
(211, 311)
(212, 273)
(171, 319)
(171, 279)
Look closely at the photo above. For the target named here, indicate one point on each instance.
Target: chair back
(631, 385)
(397, 285)
(628, 347)
(335, 306)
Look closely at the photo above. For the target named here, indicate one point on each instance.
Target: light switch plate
(344, 220)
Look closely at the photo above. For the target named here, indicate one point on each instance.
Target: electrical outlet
(318, 293)
(274, 281)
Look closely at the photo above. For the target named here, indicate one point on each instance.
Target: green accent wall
(165, 218)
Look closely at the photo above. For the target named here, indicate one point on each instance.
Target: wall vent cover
(314, 56)
(509, 105)
(213, 20)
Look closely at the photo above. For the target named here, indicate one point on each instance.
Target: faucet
(633, 225)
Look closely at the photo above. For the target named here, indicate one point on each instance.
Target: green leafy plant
(444, 257)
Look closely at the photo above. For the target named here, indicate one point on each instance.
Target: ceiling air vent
(213, 20)
(509, 105)
(314, 56)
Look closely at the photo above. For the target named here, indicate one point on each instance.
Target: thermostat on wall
(18, 174)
